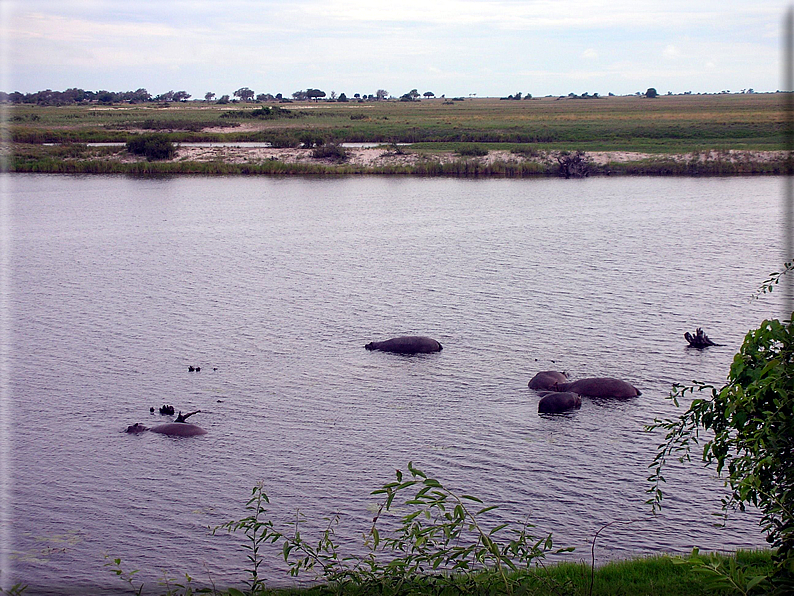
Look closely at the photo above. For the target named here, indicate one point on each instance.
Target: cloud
(396, 44)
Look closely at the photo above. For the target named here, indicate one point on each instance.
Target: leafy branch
(441, 541)
(774, 279)
(752, 447)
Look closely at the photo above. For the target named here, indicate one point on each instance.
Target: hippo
(407, 344)
(545, 381)
(178, 429)
(600, 387)
(552, 402)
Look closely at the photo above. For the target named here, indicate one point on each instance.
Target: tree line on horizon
(76, 95)
(244, 94)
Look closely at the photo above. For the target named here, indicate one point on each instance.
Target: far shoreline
(388, 160)
(688, 135)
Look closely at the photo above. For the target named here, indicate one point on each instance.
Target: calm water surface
(273, 286)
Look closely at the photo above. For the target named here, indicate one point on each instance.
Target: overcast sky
(454, 47)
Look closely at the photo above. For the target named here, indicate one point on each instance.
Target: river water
(273, 286)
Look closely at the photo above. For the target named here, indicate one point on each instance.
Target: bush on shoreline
(152, 146)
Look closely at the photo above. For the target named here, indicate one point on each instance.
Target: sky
(454, 47)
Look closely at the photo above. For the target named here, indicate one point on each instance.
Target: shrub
(330, 151)
(525, 151)
(153, 146)
(473, 151)
(310, 140)
(752, 421)
(283, 142)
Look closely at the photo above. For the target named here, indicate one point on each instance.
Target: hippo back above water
(600, 387)
(179, 429)
(545, 380)
(407, 344)
(553, 402)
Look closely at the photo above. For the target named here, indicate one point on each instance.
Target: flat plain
(681, 134)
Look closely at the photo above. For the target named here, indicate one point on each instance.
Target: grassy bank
(452, 160)
(646, 576)
(669, 124)
(671, 135)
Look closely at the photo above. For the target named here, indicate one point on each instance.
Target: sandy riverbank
(380, 157)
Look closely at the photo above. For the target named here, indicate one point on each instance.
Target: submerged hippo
(545, 381)
(407, 344)
(178, 429)
(558, 401)
(600, 387)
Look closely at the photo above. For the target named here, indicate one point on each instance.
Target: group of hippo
(556, 392)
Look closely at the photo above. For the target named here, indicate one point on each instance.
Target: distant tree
(168, 96)
(333, 95)
(209, 96)
(74, 95)
(528, 96)
(102, 97)
(137, 96)
(342, 97)
(279, 96)
(224, 99)
(314, 93)
(357, 95)
(381, 94)
(244, 93)
(181, 96)
(429, 94)
(651, 92)
(300, 96)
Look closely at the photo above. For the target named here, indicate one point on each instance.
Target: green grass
(673, 124)
(647, 576)
(661, 127)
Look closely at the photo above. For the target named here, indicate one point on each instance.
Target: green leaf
(486, 509)
(755, 581)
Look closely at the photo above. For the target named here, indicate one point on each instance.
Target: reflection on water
(273, 286)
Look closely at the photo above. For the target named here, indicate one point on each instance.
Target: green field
(667, 124)
(670, 135)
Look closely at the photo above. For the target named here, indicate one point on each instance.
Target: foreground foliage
(752, 446)
(441, 544)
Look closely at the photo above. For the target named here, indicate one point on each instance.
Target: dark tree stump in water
(699, 340)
